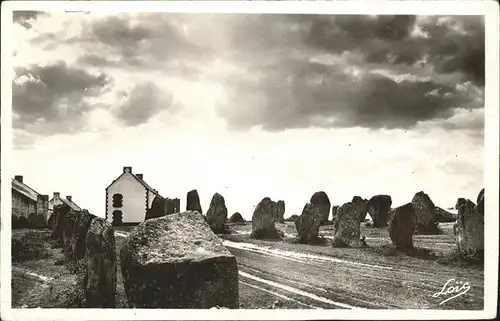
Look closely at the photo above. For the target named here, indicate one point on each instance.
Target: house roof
(146, 185)
(25, 190)
(141, 181)
(71, 204)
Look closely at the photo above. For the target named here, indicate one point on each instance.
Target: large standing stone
(60, 212)
(157, 208)
(82, 226)
(425, 214)
(100, 280)
(176, 261)
(469, 231)
(378, 207)
(217, 214)
(236, 218)
(360, 207)
(347, 226)
(401, 226)
(280, 211)
(193, 201)
(480, 202)
(169, 206)
(263, 220)
(308, 223)
(321, 199)
(334, 212)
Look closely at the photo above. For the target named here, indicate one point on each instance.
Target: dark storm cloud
(296, 92)
(143, 102)
(25, 18)
(301, 94)
(281, 83)
(51, 98)
(140, 44)
(453, 44)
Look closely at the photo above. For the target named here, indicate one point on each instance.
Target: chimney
(56, 195)
(68, 198)
(19, 178)
(139, 176)
(127, 169)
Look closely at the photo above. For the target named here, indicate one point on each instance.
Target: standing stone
(100, 280)
(321, 199)
(193, 201)
(50, 221)
(378, 207)
(69, 225)
(82, 226)
(334, 212)
(60, 212)
(157, 208)
(308, 223)
(480, 202)
(469, 231)
(217, 214)
(169, 206)
(177, 262)
(425, 214)
(401, 226)
(236, 218)
(360, 207)
(263, 220)
(460, 201)
(347, 226)
(177, 205)
(280, 211)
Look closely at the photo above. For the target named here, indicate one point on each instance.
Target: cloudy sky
(250, 105)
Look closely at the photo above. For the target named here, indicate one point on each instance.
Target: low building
(26, 201)
(128, 198)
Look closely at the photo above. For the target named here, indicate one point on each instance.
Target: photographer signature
(458, 288)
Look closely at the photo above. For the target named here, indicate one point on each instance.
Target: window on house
(117, 217)
(118, 200)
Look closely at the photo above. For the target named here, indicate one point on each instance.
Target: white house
(128, 198)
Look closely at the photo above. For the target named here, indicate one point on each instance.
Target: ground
(286, 275)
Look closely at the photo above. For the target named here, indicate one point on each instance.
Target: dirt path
(283, 275)
(296, 276)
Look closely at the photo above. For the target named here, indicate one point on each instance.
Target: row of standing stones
(420, 216)
(90, 240)
(177, 260)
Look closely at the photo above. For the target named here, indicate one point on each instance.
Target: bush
(23, 222)
(30, 246)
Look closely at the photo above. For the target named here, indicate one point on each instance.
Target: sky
(250, 106)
